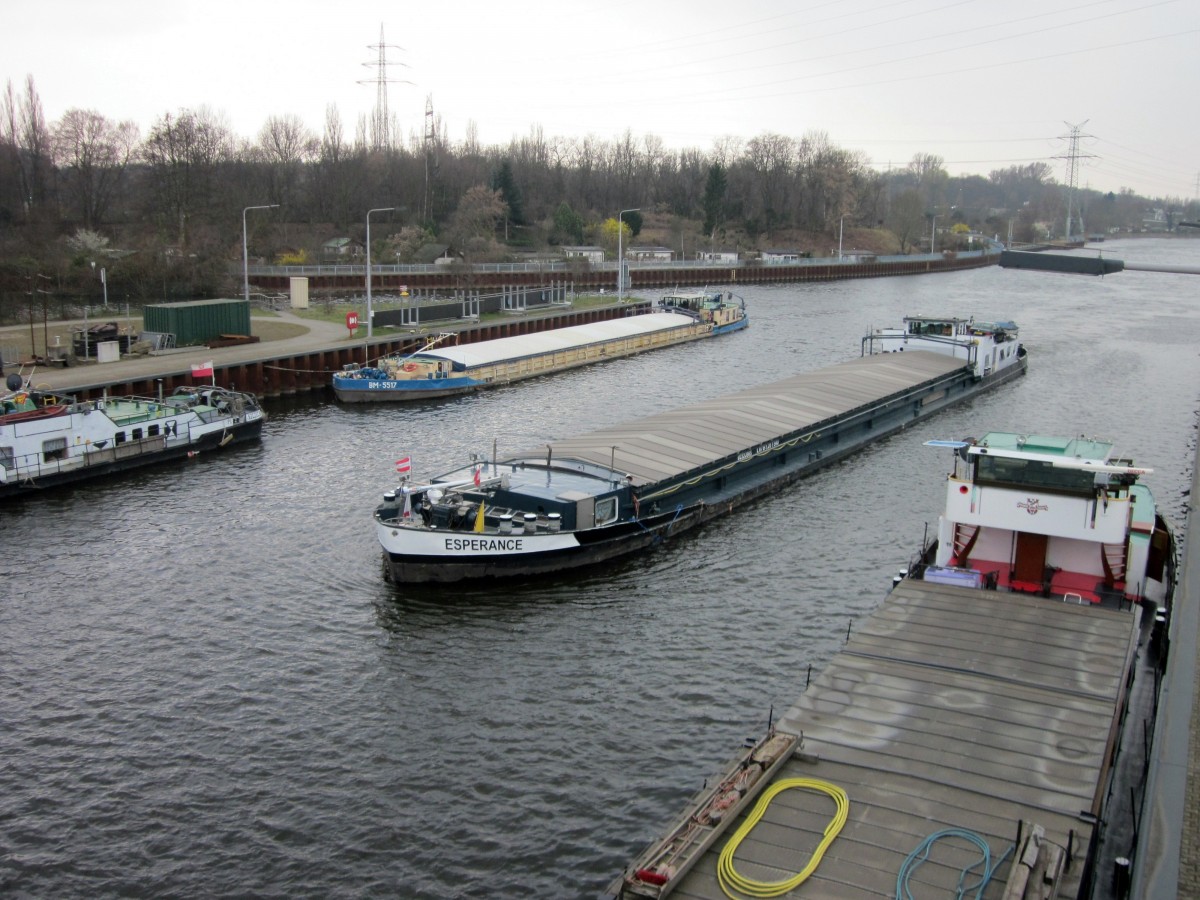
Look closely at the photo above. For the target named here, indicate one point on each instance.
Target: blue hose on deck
(913, 861)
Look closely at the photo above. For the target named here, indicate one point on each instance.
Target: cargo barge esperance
(592, 498)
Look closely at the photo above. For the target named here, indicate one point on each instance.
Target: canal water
(207, 688)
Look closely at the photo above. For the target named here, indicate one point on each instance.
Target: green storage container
(198, 321)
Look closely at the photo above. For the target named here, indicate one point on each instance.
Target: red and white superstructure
(1061, 517)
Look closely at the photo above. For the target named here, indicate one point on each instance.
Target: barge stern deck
(950, 708)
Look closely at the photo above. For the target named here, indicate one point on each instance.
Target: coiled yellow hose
(737, 886)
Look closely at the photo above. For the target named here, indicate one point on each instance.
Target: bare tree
(13, 195)
(585, 158)
(286, 140)
(1019, 184)
(686, 194)
(473, 225)
(184, 153)
(333, 172)
(726, 151)
(923, 165)
(286, 146)
(27, 141)
(333, 141)
(931, 176)
(829, 177)
(623, 166)
(906, 219)
(470, 144)
(772, 161)
(870, 197)
(92, 155)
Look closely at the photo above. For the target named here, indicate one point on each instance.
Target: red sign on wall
(351, 320)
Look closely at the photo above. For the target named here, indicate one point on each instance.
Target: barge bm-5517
(444, 371)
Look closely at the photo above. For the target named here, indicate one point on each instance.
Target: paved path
(317, 335)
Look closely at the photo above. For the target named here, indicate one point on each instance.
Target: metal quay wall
(289, 374)
(385, 279)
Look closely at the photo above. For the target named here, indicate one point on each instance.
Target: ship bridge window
(6, 457)
(936, 328)
(606, 510)
(1021, 473)
(55, 448)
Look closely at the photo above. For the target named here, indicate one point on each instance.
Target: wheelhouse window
(6, 457)
(606, 510)
(1033, 474)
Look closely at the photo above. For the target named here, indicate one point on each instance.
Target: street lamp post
(933, 235)
(370, 314)
(33, 292)
(840, 222)
(103, 282)
(621, 251)
(245, 252)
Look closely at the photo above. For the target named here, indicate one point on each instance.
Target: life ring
(20, 398)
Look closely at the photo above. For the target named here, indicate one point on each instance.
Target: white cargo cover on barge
(443, 371)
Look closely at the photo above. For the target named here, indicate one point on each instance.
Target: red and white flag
(407, 505)
(404, 465)
(203, 370)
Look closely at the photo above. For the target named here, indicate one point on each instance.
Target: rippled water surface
(207, 687)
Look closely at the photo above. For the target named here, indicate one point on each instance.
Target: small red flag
(477, 479)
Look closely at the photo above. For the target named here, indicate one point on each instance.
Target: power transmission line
(380, 120)
(431, 156)
(1073, 155)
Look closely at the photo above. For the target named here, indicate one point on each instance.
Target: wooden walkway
(948, 708)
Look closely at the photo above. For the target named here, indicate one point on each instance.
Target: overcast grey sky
(981, 83)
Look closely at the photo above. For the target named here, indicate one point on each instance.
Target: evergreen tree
(635, 221)
(714, 198)
(568, 224)
(504, 182)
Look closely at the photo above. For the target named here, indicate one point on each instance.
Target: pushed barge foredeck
(950, 710)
